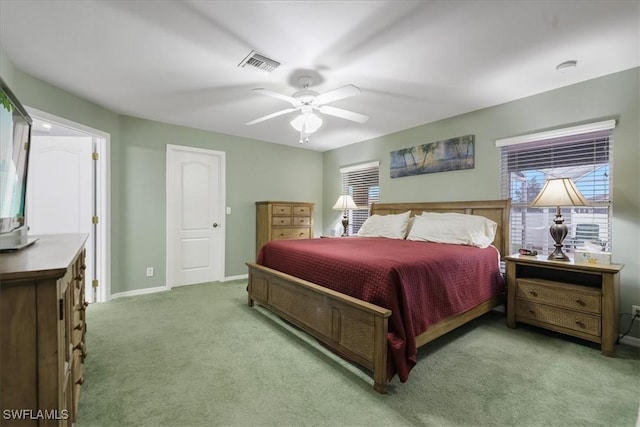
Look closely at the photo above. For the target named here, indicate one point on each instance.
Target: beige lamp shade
(559, 192)
(345, 202)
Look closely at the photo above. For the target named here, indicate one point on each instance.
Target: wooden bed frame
(355, 329)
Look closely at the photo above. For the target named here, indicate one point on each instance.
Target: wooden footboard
(353, 328)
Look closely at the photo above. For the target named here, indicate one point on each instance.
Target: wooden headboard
(496, 210)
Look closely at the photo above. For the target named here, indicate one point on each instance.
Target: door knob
(215, 224)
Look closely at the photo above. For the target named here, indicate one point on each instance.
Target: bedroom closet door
(195, 215)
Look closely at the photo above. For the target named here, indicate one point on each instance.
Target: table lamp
(344, 203)
(559, 192)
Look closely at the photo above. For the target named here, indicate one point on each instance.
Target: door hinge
(94, 283)
(94, 219)
(95, 156)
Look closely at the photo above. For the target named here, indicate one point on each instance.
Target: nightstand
(576, 299)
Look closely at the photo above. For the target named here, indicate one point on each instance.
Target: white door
(195, 215)
(60, 190)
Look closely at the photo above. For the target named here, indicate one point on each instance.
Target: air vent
(261, 62)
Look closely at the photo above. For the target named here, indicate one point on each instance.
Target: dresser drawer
(573, 320)
(562, 295)
(301, 220)
(302, 210)
(281, 209)
(281, 220)
(291, 233)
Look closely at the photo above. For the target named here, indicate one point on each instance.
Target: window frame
(586, 150)
(356, 182)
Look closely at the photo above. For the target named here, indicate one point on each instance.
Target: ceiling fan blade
(271, 116)
(343, 114)
(275, 95)
(336, 94)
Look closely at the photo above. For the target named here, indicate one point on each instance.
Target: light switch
(228, 210)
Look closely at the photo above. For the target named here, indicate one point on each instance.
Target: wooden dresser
(42, 331)
(564, 296)
(283, 220)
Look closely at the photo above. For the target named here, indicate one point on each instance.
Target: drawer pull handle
(78, 327)
(80, 381)
(531, 311)
(533, 293)
(78, 346)
(580, 323)
(580, 302)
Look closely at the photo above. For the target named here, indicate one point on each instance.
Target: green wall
(254, 171)
(615, 96)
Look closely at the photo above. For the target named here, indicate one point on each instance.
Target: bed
(333, 302)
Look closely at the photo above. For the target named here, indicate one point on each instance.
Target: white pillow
(391, 226)
(455, 228)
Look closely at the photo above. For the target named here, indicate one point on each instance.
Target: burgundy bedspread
(420, 282)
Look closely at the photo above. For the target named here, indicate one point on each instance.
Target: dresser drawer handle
(78, 326)
(80, 381)
(533, 293)
(580, 323)
(580, 302)
(532, 311)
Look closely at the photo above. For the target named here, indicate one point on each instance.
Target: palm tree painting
(440, 156)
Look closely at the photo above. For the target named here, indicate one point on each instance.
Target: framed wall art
(440, 156)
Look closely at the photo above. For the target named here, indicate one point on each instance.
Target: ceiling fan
(306, 101)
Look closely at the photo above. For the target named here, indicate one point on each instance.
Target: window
(582, 153)
(361, 183)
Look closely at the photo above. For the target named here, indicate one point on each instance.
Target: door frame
(101, 194)
(171, 150)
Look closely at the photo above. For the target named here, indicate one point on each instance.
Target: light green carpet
(198, 355)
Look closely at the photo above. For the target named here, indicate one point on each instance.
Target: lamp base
(558, 255)
(345, 225)
(558, 231)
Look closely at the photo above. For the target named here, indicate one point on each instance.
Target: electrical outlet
(635, 310)
(149, 271)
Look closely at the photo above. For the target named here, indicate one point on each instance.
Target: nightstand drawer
(291, 233)
(560, 294)
(573, 320)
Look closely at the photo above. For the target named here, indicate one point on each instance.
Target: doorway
(195, 215)
(67, 191)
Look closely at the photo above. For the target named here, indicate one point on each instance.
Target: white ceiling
(415, 61)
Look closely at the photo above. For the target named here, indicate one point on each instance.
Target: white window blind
(361, 183)
(580, 153)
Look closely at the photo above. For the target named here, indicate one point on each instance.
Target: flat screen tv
(15, 138)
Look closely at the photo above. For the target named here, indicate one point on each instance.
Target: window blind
(586, 158)
(361, 183)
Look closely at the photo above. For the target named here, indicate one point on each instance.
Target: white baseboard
(140, 292)
(631, 341)
(166, 288)
(238, 277)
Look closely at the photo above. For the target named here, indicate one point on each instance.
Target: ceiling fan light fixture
(309, 121)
